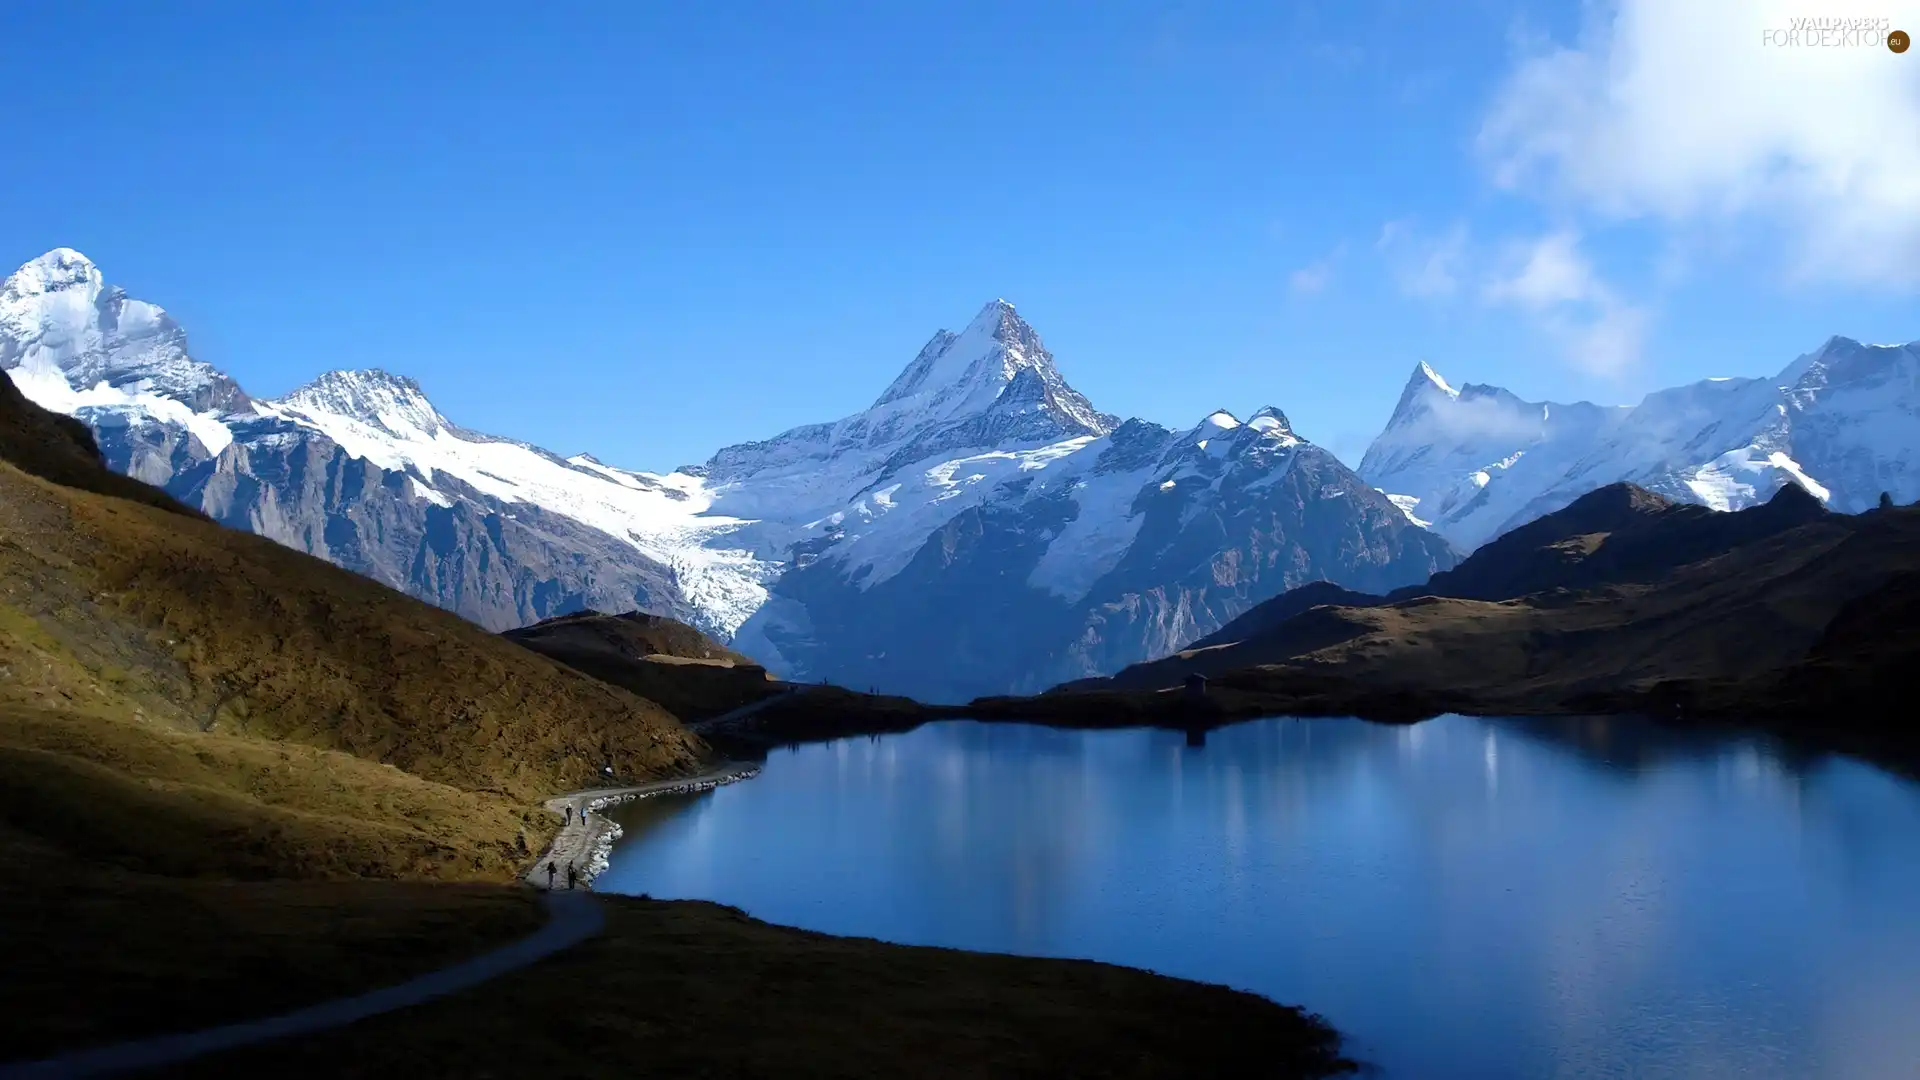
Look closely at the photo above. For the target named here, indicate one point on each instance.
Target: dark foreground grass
(96, 955)
(694, 989)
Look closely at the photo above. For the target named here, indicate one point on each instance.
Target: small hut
(1196, 685)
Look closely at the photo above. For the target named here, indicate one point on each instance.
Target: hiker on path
(569, 820)
(570, 874)
(552, 870)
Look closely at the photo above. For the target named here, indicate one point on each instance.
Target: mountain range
(980, 528)
(1472, 463)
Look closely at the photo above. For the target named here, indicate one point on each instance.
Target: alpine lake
(1463, 897)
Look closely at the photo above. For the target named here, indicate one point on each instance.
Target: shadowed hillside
(1616, 534)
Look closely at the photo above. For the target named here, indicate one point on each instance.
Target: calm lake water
(1462, 898)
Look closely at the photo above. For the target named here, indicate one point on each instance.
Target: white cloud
(1547, 278)
(1598, 330)
(1678, 111)
(1551, 271)
(1603, 341)
(1310, 278)
(1486, 417)
(1424, 266)
(1313, 277)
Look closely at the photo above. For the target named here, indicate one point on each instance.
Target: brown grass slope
(632, 635)
(236, 695)
(660, 659)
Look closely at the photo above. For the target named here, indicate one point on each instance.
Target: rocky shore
(587, 837)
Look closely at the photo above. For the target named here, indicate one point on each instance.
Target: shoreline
(1256, 693)
(587, 839)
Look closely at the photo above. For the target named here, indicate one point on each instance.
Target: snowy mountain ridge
(386, 420)
(1842, 422)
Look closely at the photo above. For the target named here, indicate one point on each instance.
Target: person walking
(571, 875)
(551, 870)
(569, 820)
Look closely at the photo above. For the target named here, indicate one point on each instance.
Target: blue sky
(651, 230)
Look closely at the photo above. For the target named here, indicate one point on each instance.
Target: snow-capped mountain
(981, 527)
(991, 385)
(1045, 563)
(1842, 422)
(361, 469)
(70, 341)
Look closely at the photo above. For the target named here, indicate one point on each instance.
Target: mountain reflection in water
(1463, 897)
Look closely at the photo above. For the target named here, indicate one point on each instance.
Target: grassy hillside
(143, 648)
(260, 711)
(688, 673)
(631, 635)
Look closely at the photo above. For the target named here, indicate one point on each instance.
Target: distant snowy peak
(1841, 422)
(393, 404)
(60, 321)
(992, 386)
(1835, 351)
(967, 373)
(1256, 442)
(1221, 429)
(57, 271)
(1269, 419)
(1424, 387)
(1843, 362)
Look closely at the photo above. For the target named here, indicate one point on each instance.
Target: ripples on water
(1464, 897)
